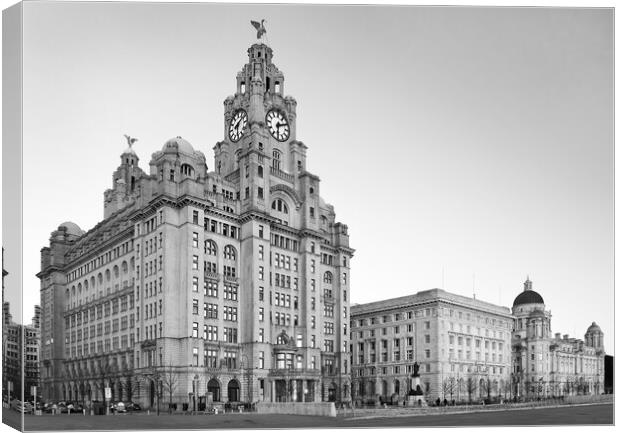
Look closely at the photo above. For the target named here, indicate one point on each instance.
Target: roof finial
(528, 284)
(260, 28)
(130, 140)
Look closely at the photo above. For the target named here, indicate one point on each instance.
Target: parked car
(50, 407)
(20, 406)
(118, 407)
(132, 407)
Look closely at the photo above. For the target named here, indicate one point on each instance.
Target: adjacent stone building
(20, 356)
(547, 365)
(461, 344)
(227, 285)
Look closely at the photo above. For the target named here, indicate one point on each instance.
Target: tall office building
(461, 344)
(223, 285)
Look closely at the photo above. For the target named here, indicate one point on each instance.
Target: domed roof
(594, 328)
(528, 297)
(178, 144)
(72, 228)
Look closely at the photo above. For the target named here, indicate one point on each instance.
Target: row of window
(218, 227)
(100, 347)
(113, 307)
(102, 260)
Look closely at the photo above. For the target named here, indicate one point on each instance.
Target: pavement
(593, 414)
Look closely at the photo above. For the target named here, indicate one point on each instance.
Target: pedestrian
(445, 402)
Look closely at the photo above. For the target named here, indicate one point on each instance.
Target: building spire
(528, 284)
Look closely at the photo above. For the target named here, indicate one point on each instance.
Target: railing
(230, 279)
(212, 275)
(281, 174)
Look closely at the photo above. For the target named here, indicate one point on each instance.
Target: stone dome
(594, 328)
(71, 228)
(528, 297)
(178, 144)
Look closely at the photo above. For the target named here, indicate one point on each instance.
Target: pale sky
(451, 141)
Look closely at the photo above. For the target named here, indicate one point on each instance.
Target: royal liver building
(205, 286)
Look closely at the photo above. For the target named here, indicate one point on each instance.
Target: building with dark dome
(546, 365)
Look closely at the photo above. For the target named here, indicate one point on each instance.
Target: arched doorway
(396, 387)
(233, 390)
(384, 388)
(331, 392)
(214, 388)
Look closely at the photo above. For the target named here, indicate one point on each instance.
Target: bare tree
(471, 385)
(131, 386)
(169, 380)
(449, 386)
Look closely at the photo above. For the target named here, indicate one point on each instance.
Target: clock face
(237, 125)
(278, 125)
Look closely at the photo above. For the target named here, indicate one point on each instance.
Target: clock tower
(296, 257)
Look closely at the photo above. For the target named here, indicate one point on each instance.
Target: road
(601, 414)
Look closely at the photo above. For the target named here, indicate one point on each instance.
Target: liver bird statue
(260, 28)
(130, 140)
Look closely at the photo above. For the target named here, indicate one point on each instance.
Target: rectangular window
(195, 262)
(195, 329)
(195, 240)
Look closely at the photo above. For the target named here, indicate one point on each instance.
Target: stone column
(304, 387)
(273, 391)
(294, 391)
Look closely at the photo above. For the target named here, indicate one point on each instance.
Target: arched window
(279, 205)
(107, 275)
(214, 388)
(277, 156)
(100, 278)
(210, 247)
(92, 282)
(328, 277)
(230, 253)
(115, 271)
(124, 267)
(187, 170)
(233, 390)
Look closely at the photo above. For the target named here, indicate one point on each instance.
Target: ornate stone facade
(225, 285)
(546, 365)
